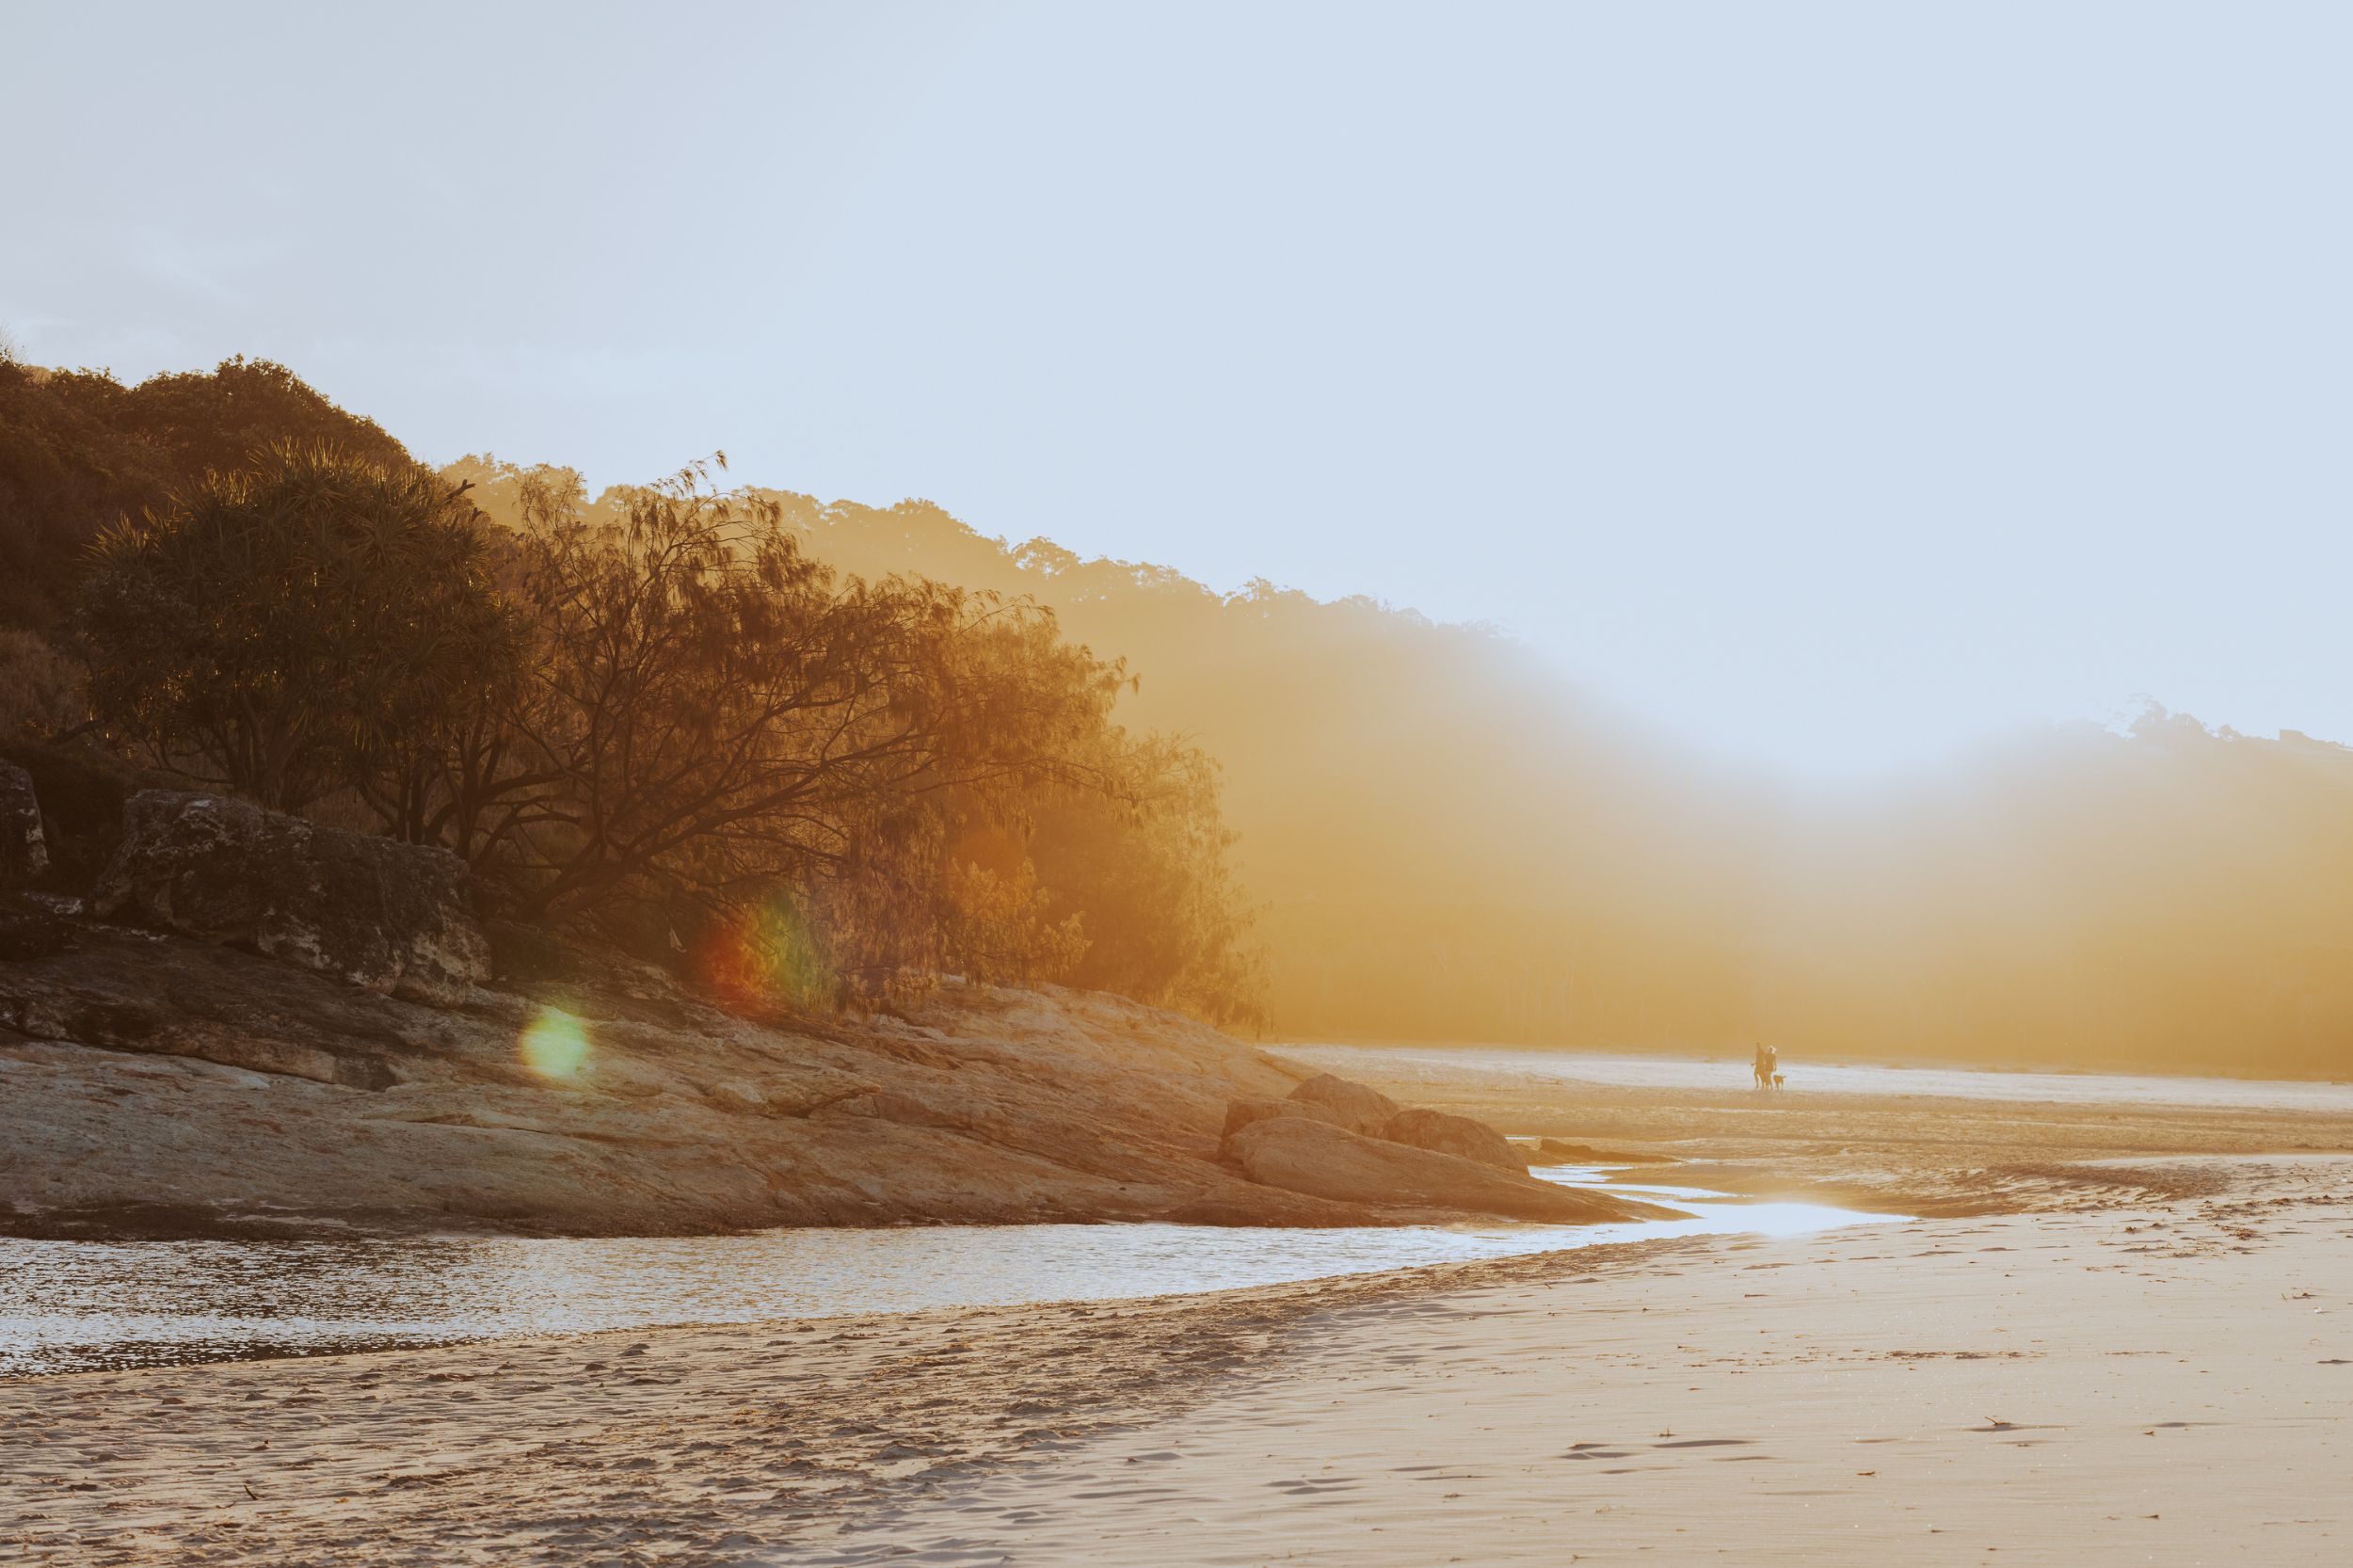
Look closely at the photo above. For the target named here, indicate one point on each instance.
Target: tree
(204, 422)
(1147, 857)
(64, 474)
(279, 629)
(79, 450)
(707, 709)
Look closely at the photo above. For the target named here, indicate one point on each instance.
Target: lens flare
(556, 1045)
(769, 951)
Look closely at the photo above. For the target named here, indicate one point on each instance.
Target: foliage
(64, 474)
(79, 450)
(41, 690)
(1000, 930)
(655, 712)
(208, 422)
(279, 629)
(799, 765)
(1150, 862)
(706, 707)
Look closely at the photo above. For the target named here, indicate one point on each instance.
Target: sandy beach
(2147, 1360)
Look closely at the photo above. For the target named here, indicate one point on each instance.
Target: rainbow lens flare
(768, 951)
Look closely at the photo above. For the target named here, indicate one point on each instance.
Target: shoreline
(1736, 1060)
(795, 1275)
(843, 1439)
(2000, 1357)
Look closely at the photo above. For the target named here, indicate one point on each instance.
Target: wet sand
(1931, 1155)
(2155, 1364)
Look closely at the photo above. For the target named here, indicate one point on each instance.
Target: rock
(1241, 1114)
(1301, 1155)
(393, 918)
(1359, 1109)
(1553, 1151)
(23, 849)
(734, 1094)
(1444, 1133)
(155, 1086)
(30, 929)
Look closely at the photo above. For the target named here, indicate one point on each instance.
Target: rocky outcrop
(1368, 1113)
(1305, 1156)
(154, 1085)
(1552, 1151)
(23, 848)
(389, 917)
(1243, 1111)
(1353, 1106)
(1443, 1132)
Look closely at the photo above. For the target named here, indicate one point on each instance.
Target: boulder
(1303, 1155)
(393, 918)
(1552, 1151)
(1444, 1133)
(1241, 1113)
(23, 849)
(1354, 1107)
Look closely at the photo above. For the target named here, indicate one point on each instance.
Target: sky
(1832, 385)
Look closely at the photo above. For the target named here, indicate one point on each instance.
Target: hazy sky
(1831, 382)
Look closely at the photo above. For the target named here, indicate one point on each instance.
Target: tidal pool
(68, 1307)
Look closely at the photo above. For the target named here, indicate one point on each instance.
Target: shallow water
(82, 1306)
(1731, 1075)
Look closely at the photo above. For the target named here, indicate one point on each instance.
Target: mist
(1447, 839)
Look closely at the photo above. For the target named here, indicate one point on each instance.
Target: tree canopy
(79, 450)
(660, 717)
(279, 627)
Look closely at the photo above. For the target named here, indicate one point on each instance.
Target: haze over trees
(1453, 842)
(832, 746)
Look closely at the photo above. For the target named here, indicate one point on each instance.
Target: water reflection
(81, 1305)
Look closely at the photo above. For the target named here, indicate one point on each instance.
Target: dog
(1779, 1081)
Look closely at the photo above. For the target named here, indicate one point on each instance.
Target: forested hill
(1445, 840)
